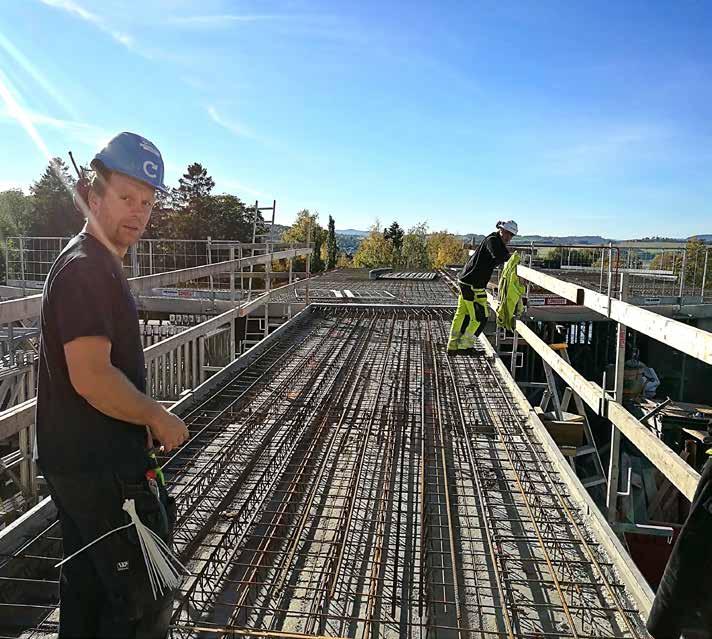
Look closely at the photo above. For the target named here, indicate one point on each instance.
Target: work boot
(453, 345)
(467, 342)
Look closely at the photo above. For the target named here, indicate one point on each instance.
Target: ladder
(586, 457)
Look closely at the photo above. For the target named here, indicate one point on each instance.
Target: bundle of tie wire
(164, 569)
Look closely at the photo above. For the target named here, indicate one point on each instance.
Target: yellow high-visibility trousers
(470, 318)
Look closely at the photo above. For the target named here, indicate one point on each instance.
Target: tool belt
(479, 293)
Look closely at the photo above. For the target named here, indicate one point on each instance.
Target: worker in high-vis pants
(472, 310)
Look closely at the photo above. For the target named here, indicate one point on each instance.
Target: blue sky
(570, 117)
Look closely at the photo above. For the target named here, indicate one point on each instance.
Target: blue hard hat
(134, 156)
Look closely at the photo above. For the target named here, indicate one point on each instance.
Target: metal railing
(174, 366)
(28, 259)
(656, 273)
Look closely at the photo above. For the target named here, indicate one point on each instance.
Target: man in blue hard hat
(95, 424)
(472, 308)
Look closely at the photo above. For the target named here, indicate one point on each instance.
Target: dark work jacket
(491, 252)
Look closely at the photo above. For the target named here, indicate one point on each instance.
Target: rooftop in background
(355, 285)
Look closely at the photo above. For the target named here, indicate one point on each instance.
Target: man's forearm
(113, 394)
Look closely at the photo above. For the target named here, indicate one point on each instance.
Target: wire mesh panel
(355, 481)
(354, 286)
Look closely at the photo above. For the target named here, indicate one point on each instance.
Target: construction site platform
(348, 478)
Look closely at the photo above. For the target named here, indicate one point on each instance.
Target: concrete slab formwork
(346, 477)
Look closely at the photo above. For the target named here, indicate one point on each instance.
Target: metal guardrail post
(308, 259)
(201, 358)
(135, 270)
(704, 276)
(610, 275)
(614, 462)
(232, 275)
(22, 265)
(209, 256)
(682, 274)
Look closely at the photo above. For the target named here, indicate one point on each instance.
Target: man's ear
(94, 200)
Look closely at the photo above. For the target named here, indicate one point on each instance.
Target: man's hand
(169, 429)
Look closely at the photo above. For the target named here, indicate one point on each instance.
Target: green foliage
(444, 248)
(306, 228)
(561, 256)
(695, 263)
(672, 260)
(192, 212)
(52, 213)
(194, 186)
(415, 248)
(375, 250)
(15, 209)
(343, 261)
(394, 233)
(332, 247)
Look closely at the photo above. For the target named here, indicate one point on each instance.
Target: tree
(53, 213)
(15, 208)
(394, 234)
(225, 217)
(695, 263)
(343, 261)
(195, 184)
(305, 226)
(444, 248)
(317, 264)
(694, 260)
(375, 250)
(331, 245)
(415, 248)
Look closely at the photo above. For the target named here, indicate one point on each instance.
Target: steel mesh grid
(363, 509)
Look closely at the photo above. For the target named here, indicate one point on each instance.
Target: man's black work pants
(105, 590)
(683, 602)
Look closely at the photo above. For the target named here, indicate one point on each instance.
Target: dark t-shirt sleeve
(80, 297)
(497, 250)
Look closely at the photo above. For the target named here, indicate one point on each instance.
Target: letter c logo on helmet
(150, 169)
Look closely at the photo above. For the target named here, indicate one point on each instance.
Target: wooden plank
(19, 309)
(687, 339)
(17, 418)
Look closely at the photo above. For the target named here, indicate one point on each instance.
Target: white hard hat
(509, 225)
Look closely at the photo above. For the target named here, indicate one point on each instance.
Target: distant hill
(278, 230)
(549, 239)
(705, 238)
(355, 232)
(565, 239)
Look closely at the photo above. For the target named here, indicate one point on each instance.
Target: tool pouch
(153, 505)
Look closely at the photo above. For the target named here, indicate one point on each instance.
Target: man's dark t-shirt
(86, 294)
(490, 253)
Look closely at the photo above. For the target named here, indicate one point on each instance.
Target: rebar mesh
(356, 481)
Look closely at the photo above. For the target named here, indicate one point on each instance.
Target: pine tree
(53, 213)
(332, 248)
(394, 233)
(195, 184)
